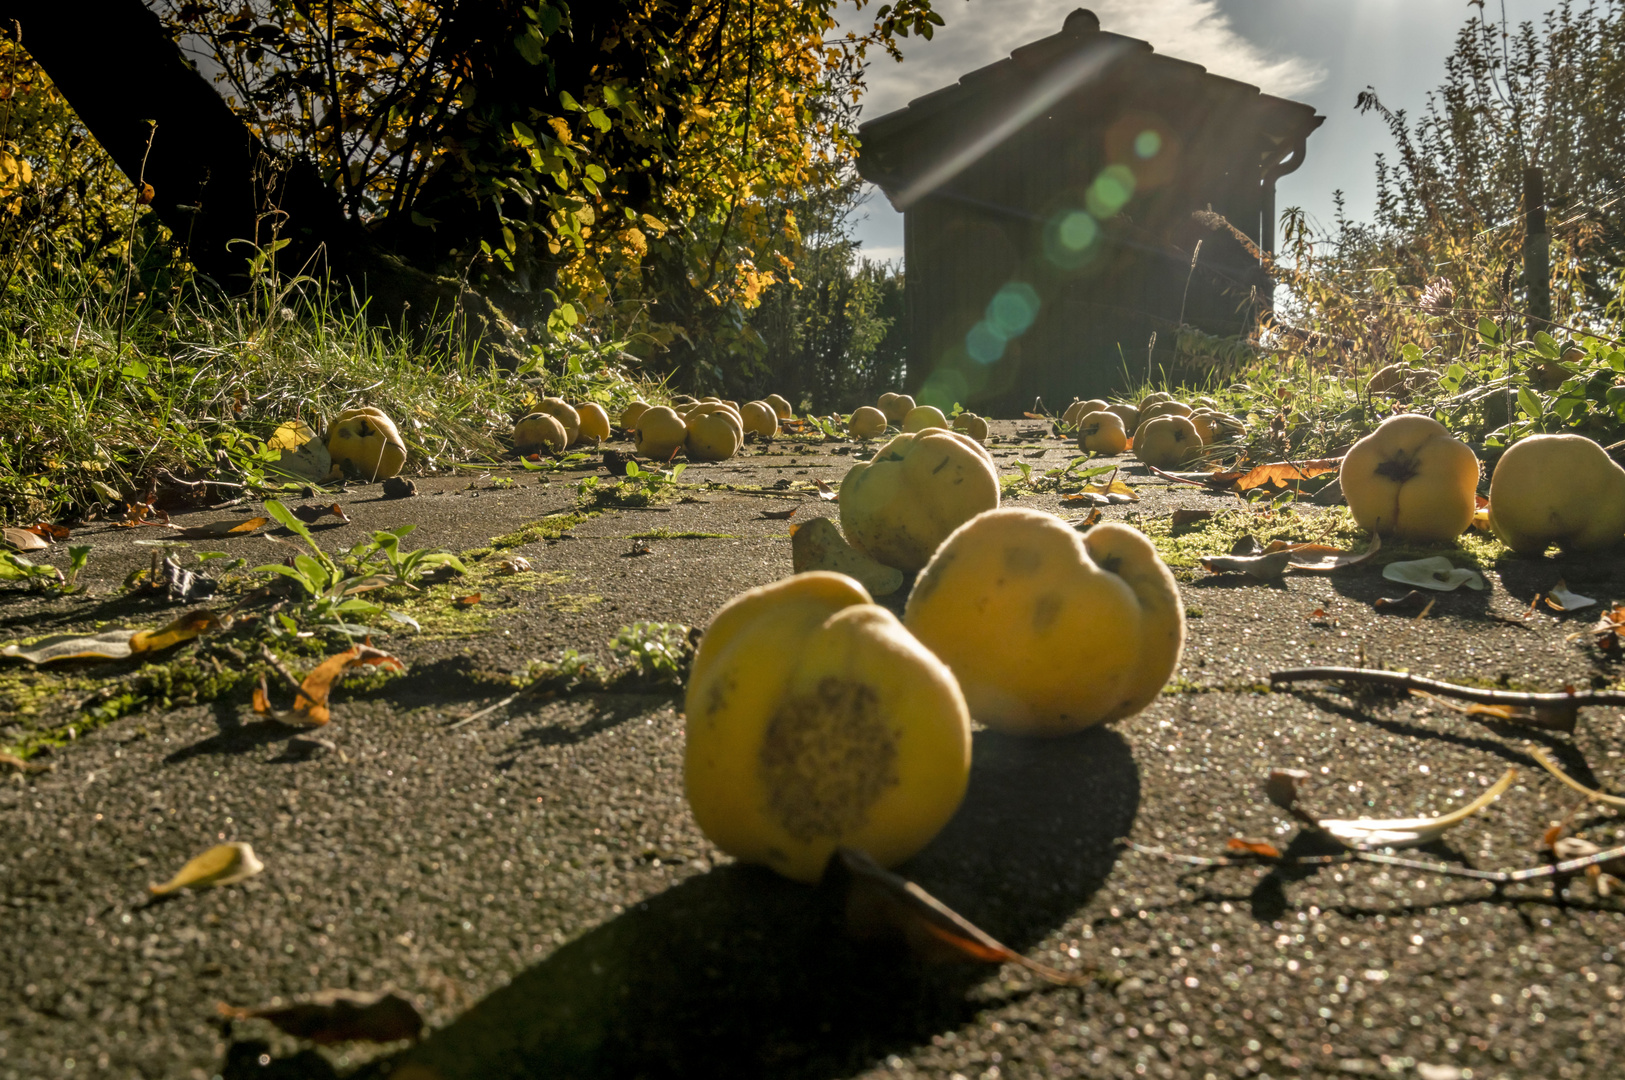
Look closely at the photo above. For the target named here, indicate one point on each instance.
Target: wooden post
(1537, 266)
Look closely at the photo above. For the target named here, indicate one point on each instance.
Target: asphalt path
(534, 882)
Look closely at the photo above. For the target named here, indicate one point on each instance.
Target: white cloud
(1199, 31)
(980, 32)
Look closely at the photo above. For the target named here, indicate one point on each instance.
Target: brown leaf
(312, 514)
(1283, 474)
(310, 708)
(882, 904)
(25, 540)
(1282, 786)
(779, 515)
(1262, 848)
(144, 513)
(825, 492)
(1414, 598)
(335, 1016)
(216, 530)
(48, 531)
(1322, 558)
(1183, 517)
(1270, 567)
(468, 601)
(146, 195)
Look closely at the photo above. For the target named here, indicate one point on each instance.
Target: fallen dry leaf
(882, 904)
(1435, 573)
(1283, 474)
(468, 601)
(310, 707)
(1365, 833)
(1183, 517)
(779, 515)
(144, 513)
(25, 540)
(1271, 567)
(818, 545)
(219, 529)
(1596, 796)
(47, 531)
(1262, 848)
(223, 864)
(113, 644)
(518, 564)
(1561, 599)
(335, 1016)
(1608, 631)
(312, 514)
(825, 492)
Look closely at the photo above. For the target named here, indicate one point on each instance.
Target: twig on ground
(1497, 877)
(287, 676)
(1553, 712)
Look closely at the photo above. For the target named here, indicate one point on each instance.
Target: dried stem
(1554, 712)
(1498, 877)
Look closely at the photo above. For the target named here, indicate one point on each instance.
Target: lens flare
(1111, 191)
(1078, 230)
(1013, 309)
(984, 343)
(1147, 145)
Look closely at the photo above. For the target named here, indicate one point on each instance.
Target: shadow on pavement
(738, 972)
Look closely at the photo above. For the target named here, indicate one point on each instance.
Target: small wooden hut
(1053, 202)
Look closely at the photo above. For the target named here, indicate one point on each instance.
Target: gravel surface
(534, 882)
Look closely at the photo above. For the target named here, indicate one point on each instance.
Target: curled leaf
(1270, 567)
(1410, 832)
(335, 1016)
(825, 492)
(1595, 796)
(818, 545)
(1262, 848)
(312, 514)
(518, 564)
(1184, 517)
(108, 645)
(1562, 599)
(217, 530)
(223, 864)
(1282, 474)
(25, 540)
(310, 708)
(185, 628)
(1434, 573)
(779, 515)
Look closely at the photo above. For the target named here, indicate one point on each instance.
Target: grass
(97, 401)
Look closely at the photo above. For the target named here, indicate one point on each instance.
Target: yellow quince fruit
(1411, 479)
(369, 441)
(1049, 631)
(816, 721)
(917, 489)
(1557, 489)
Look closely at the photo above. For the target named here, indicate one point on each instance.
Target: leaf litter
(223, 864)
(310, 706)
(114, 644)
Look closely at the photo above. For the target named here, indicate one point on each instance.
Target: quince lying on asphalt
(1167, 442)
(895, 406)
(924, 416)
(1101, 433)
(659, 432)
(1411, 479)
(539, 433)
(564, 413)
(972, 425)
(815, 720)
(866, 422)
(781, 406)
(368, 441)
(916, 490)
(1557, 489)
(758, 416)
(1049, 632)
(714, 434)
(594, 422)
(630, 414)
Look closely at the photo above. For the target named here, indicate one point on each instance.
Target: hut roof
(926, 143)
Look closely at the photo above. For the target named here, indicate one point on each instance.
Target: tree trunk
(219, 189)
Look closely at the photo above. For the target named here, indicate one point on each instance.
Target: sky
(1323, 52)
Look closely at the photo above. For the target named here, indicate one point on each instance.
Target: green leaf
(599, 119)
(568, 102)
(1546, 346)
(1489, 331)
(1411, 353)
(1529, 402)
(285, 518)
